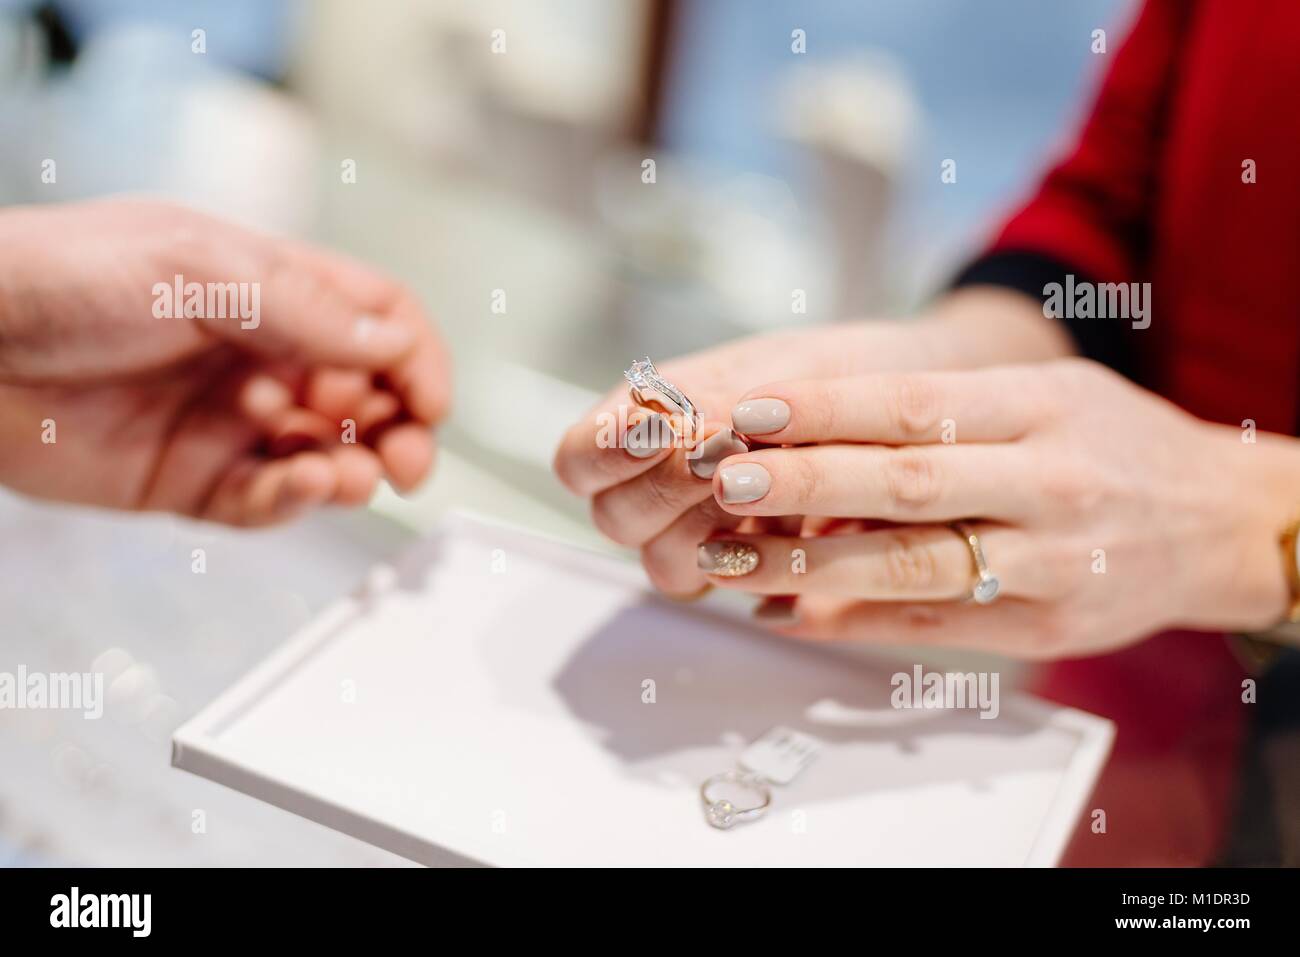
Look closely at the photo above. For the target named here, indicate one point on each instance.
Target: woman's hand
(110, 395)
(658, 499)
(1106, 512)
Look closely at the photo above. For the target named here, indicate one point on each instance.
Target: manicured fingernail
(375, 333)
(760, 416)
(649, 436)
(727, 559)
(777, 612)
(705, 457)
(746, 482)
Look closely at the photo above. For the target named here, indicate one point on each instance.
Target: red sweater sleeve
(1093, 209)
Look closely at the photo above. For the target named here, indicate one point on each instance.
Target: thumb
(297, 313)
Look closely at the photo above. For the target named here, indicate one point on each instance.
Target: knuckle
(913, 407)
(609, 519)
(909, 565)
(818, 411)
(669, 571)
(1075, 378)
(912, 480)
(659, 489)
(806, 480)
(1073, 487)
(657, 569)
(1053, 568)
(1051, 404)
(669, 558)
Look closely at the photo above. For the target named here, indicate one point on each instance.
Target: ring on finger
(986, 585)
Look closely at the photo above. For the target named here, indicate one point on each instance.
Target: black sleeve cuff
(1102, 340)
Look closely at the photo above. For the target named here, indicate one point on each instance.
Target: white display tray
(481, 701)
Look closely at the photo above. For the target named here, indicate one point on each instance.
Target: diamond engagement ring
(648, 388)
(723, 813)
(985, 588)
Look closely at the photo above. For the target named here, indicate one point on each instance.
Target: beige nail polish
(649, 437)
(704, 459)
(746, 482)
(727, 559)
(760, 416)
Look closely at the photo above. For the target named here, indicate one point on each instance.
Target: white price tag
(780, 754)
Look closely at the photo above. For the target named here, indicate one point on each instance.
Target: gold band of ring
(986, 585)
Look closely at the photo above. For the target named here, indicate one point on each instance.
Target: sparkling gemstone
(986, 589)
(722, 814)
(639, 372)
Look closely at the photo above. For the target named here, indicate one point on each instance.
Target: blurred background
(569, 184)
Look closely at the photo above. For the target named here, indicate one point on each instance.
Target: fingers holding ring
(648, 388)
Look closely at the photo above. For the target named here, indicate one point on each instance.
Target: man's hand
(284, 376)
